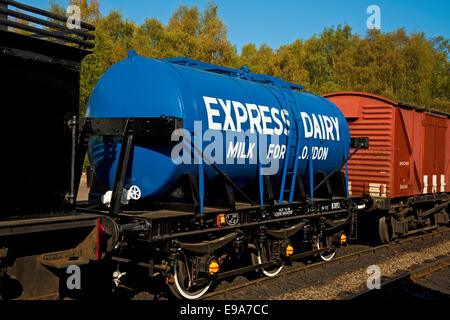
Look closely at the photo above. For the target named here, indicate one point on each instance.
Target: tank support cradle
(132, 130)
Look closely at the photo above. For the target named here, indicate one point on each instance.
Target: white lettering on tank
(284, 114)
(308, 129)
(254, 121)
(250, 150)
(238, 150)
(325, 153)
(317, 131)
(321, 126)
(212, 113)
(318, 153)
(240, 118)
(278, 130)
(265, 120)
(232, 150)
(328, 128)
(336, 126)
(276, 151)
(228, 119)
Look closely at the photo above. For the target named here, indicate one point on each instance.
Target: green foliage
(397, 65)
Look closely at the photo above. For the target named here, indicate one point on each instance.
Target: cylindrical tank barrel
(230, 114)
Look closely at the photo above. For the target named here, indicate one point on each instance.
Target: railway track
(236, 291)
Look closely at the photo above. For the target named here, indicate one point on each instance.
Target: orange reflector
(213, 267)
(220, 221)
(343, 238)
(289, 250)
(170, 279)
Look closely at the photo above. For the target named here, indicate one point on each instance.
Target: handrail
(76, 36)
(44, 13)
(45, 23)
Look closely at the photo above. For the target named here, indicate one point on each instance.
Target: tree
(213, 43)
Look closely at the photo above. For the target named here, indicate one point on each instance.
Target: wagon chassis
(141, 234)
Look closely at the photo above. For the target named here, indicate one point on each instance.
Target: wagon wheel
(323, 243)
(383, 230)
(181, 286)
(265, 254)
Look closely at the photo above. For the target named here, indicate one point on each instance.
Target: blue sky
(281, 22)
